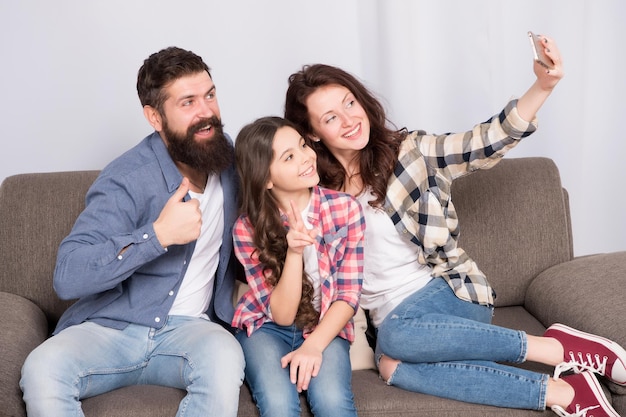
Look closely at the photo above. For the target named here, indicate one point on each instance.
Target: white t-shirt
(196, 290)
(311, 264)
(391, 269)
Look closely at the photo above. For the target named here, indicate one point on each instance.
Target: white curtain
(69, 66)
(445, 65)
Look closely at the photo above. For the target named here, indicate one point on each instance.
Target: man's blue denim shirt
(138, 286)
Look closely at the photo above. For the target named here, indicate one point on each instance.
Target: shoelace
(560, 411)
(582, 364)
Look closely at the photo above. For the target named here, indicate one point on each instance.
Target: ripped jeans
(448, 348)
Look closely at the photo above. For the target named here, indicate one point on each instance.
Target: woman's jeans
(448, 348)
(85, 360)
(329, 393)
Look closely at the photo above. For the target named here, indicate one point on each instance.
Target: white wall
(68, 70)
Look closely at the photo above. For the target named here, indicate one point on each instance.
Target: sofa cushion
(372, 396)
(30, 233)
(374, 399)
(500, 228)
(136, 401)
(24, 327)
(553, 298)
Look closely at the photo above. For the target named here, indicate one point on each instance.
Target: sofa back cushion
(36, 212)
(515, 223)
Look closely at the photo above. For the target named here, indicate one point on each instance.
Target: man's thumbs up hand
(180, 221)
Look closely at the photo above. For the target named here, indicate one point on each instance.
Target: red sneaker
(587, 352)
(589, 399)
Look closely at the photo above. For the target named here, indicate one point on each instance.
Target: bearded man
(150, 261)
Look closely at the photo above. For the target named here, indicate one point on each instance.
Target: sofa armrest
(24, 327)
(586, 293)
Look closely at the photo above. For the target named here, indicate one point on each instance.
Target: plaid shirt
(418, 195)
(339, 249)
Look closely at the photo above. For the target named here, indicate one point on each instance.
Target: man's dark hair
(162, 68)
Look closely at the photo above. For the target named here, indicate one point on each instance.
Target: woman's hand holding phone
(539, 51)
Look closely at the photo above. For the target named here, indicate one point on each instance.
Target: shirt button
(185, 262)
(405, 231)
(145, 236)
(170, 293)
(157, 319)
(119, 257)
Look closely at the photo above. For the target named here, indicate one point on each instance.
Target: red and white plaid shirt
(339, 218)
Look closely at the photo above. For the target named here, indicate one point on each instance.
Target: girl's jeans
(85, 360)
(448, 348)
(329, 393)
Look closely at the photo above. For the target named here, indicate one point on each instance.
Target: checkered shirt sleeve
(418, 195)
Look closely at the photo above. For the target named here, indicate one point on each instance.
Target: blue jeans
(85, 360)
(448, 348)
(329, 393)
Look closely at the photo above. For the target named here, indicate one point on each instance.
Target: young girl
(429, 301)
(302, 249)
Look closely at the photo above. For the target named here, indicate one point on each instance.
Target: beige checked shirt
(418, 195)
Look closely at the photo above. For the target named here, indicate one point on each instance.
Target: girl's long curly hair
(377, 159)
(254, 155)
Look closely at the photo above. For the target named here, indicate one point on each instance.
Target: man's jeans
(448, 348)
(329, 393)
(189, 353)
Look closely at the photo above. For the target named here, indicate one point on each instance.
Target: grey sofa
(515, 222)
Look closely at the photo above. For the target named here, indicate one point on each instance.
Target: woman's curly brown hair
(377, 159)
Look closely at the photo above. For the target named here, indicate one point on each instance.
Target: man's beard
(211, 156)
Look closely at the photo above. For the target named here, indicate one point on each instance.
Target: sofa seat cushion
(372, 396)
(136, 401)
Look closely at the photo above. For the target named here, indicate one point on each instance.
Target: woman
(431, 305)
(302, 249)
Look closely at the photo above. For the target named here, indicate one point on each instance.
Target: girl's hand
(298, 236)
(306, 362)
(546, 78)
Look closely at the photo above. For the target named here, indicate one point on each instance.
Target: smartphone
(538, 51)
